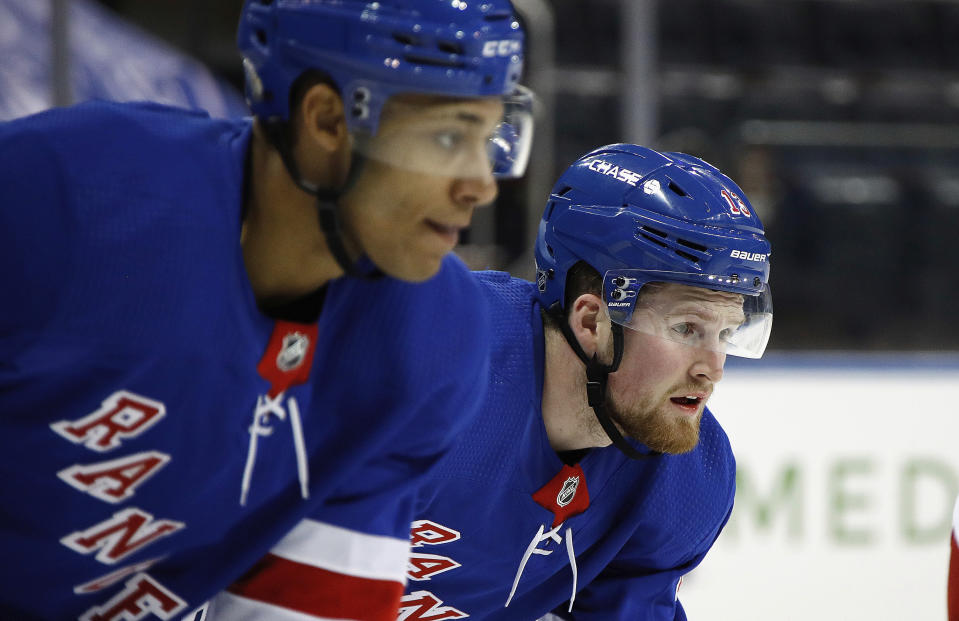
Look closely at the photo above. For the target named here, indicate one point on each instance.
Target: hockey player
(595, 477)
(211, 330)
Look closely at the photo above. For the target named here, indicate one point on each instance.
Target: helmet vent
(675, 188)
(693, 245)
(405, 39)
(435, 62)
(656, 232)
(688, 256)
(564, 191)
(450, 48)
(658, 242)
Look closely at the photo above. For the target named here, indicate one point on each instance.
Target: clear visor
(452, 137)
(697, 315)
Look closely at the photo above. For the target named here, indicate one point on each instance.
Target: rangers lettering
(116, 480)
(113, 577)
(123, 534)
(425, 532)
(425, 566)
(424, 606)
(141, 598)
(122, 415)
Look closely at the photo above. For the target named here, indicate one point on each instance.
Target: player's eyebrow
(709, 315)
(459, 115)
(470, 117)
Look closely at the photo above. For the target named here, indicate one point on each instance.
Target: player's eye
(449, 140)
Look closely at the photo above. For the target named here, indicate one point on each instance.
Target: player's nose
(708, 365)
(474, 191)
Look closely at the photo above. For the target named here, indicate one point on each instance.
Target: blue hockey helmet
(374, 50)
(639, 218)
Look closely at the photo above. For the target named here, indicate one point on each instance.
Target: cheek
(649, 364)
(377, 206)
(399, 195)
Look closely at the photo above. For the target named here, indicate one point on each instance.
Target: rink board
(848, 468)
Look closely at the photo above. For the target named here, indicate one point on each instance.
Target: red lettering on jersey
(113, 577)
(115, 480)
(122, 415)
(424, 606)
(141, 598)
(425, 532)
(122, 535)
(424, 566)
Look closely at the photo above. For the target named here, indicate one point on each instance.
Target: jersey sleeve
(34, 226)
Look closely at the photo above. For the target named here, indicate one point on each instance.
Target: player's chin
(678, 436)
(685, 436)
(414, 268)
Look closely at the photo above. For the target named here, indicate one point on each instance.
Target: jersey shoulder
(139, 146)
(110, 202)
(424, 337)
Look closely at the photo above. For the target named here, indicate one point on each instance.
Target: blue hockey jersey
(502, 518)
(158, 434)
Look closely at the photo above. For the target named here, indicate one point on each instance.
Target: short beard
(645, 423)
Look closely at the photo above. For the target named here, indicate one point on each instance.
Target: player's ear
(590, 324)
(322, 117)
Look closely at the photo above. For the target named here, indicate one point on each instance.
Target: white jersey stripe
(230, 607)
(345, 551)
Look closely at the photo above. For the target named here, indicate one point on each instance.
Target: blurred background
(840, 120)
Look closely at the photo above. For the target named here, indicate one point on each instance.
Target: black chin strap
(597, 377)
(326, 202)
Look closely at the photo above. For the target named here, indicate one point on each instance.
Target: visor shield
(693, 309)
(510, 143)
(453, 138)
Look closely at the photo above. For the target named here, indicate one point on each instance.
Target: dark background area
(840, 120)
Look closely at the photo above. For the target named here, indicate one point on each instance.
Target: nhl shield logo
(292, 351)
(567, 492)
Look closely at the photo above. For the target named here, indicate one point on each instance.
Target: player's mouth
(689, 404)
(448, 233)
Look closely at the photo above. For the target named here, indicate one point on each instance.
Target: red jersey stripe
(315, 591)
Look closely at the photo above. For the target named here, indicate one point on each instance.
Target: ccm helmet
(638, 216)
(373, 50)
